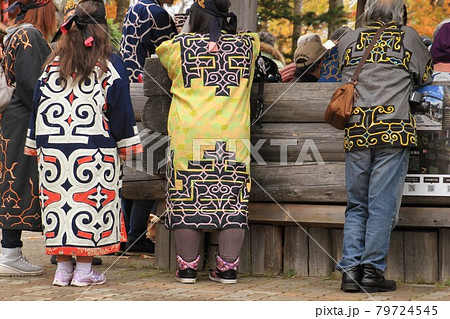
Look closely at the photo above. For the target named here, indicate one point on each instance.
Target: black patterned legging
(230, 242)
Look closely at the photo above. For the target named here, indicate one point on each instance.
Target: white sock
(65, 265)
(84, 267)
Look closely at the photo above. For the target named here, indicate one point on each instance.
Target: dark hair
(267, 37)
(43, 18)
(200, 21)
(77, 59)
(336, 36)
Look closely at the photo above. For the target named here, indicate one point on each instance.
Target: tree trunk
(298, 6)
(359, 13)
(122, 6)
(332, 25)
(246, 12)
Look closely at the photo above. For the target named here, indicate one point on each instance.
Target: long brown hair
(43, 18)
(76, 60)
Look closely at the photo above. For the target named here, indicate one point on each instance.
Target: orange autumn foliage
(425, 15)
(111, 9)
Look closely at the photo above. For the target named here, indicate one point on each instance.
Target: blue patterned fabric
(146, 26)
(329, 72)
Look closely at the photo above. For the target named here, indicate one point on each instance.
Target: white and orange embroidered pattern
(78, 139)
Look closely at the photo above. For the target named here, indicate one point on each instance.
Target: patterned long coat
(209, 125)
(19, 197)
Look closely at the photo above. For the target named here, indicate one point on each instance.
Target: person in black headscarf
(212, 69)
(26, 49)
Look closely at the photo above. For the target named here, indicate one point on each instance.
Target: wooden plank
(130, 174)
(162, 247)
(320, 263)
(150, 189)
(299, 183)
(298, 143)
(295, 256)
(156, 113)
(138, 99)
(296, 103)
(421, 256)
(333, 215)
(337, 237)
(291, 183)
(325, 215)
(245, 255)
(156, 79)
(395, 260)
(267, 247)
(444, 254)
(284, 102)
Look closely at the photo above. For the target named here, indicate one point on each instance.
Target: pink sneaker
(80, 279)
(62, 278)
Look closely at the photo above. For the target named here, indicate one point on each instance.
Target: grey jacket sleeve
(421, 64)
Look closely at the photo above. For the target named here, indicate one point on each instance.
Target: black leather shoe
(186, 276)
(351, 279)
(373, 280)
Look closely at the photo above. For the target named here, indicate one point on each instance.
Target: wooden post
(246, 12)
(162, 247)
(359, 12)
(320, 264)
(395, 260)
(444, 254)
(245, 256)
(421, 256)
(267, 249)
(337, 237)
(295, 251)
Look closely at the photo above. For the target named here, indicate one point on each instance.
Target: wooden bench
(312, 197)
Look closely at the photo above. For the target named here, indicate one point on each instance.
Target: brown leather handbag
(341, 105)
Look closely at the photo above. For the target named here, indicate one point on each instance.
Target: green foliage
(275, 9)
(278, 17)
(284, 9)
(115, 32)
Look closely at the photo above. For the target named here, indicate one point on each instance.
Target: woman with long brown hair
(82, 124)
(26, 49)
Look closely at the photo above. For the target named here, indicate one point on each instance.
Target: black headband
(34, 4)
(209, 6)
(98, 17)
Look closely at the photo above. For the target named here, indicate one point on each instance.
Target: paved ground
(133, 278)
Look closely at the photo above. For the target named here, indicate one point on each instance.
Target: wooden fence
(295, 210)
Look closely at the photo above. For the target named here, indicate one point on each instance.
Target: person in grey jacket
(377, 139)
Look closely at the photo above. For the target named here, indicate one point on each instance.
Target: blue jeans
(135, 214)
(375, 180)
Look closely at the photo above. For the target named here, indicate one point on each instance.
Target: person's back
(377, 138)
(25, 52)
(208, 185)
(82, 125)
(384, 83)
(145, 27)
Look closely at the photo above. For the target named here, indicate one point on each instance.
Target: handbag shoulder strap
(369, 49)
